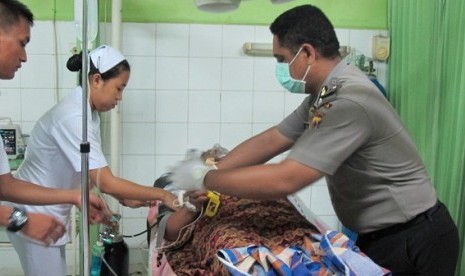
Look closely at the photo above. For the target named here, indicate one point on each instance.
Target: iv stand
(85, 149)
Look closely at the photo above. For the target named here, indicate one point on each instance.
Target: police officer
(347, 132)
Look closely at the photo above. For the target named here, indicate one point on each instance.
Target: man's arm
(19, 191)
(40, 227)
(256, 150)
(268, 181)
(242, 172)
(23, 192)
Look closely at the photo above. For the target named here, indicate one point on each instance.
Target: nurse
(15, 26)
(53, 155)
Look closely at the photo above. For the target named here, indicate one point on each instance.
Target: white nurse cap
(105, 57)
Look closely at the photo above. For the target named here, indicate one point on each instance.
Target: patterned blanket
(330, 254)
(239, 223)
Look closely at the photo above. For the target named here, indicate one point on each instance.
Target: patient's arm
(178, 220)
(183, 216)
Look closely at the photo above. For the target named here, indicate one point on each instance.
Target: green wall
(352, 14)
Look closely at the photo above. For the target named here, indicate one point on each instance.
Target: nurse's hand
(189, 174)
(169, 199)
(98, 210)
(44, 228)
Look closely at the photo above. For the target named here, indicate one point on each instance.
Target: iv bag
(92, 19)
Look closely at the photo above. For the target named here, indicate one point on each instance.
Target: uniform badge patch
(317, 112)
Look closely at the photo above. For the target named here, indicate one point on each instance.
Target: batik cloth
(330, 254)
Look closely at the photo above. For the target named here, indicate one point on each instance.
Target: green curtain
(426, 85)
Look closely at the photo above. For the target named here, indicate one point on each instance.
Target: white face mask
(284, 77)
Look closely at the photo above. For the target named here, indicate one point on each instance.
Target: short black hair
(306, 24)
(11, 12)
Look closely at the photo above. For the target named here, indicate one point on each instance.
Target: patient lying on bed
(191, 238)
(237, 223)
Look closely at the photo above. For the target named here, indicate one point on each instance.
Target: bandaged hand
(189, 174)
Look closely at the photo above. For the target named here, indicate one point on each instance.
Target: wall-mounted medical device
(12, 139)
(381, 47)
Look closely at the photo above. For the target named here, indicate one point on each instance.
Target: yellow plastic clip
(213, 203)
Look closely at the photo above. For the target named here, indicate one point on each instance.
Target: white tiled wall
(190, 87)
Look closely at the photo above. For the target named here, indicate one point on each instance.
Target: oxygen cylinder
(117, 257)
(96, 258)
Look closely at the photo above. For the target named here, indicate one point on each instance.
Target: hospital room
(232, 137)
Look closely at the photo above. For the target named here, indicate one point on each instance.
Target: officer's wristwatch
(18, 218)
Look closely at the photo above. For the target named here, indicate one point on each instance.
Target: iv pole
(85, 149)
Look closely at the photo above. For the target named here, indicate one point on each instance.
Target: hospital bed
(159, 264)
